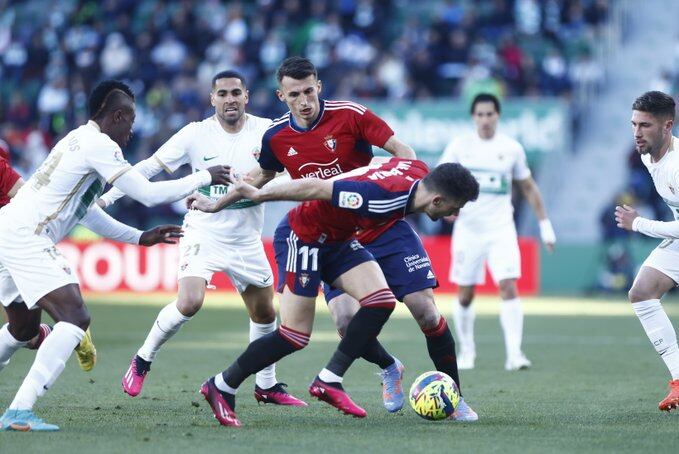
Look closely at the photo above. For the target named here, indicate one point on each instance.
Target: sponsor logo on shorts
(417, 262)
(355, 245)
(350, 200)
(267, 279)
(304, 279)
(430, 275)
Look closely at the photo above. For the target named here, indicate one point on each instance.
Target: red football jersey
(8, 178)
(381, 195)
(338, 141)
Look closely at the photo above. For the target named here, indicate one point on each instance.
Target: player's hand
(198, 201)
(547, 235)
(243, 187)
(220, 174)
(168, 234)
(625, 216)
(101, 203)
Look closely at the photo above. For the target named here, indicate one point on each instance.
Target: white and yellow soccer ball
(434, 395)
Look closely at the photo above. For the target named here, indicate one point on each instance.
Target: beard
(230, 120)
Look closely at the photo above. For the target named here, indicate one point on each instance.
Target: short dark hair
(454, 181)
(296, 67)
(485, 97)
(99, 103)
(657, 103)
(229, 74)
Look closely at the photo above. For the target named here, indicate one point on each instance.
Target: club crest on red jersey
(330, 143)
(304, 279)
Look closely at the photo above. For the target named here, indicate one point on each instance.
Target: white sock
(464, 318)
(660, 332)
(511, 319)
(8, 345)
(48, 365)
(167, 324)
(329, 377)
(265, 378)
(222, 386)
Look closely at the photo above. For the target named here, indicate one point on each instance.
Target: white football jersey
(204, 144)
(495, 163)
(64, 187)
(665, 174)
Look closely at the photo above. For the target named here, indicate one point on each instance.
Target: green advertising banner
(541, 126)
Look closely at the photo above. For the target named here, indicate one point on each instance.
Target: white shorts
(32, 266)
(471, 250)
(665, 258)
(244, 262)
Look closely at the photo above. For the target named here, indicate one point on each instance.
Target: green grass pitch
(594, 387)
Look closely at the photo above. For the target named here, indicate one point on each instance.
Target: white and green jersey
(204, 144)
(59, 193)
(665, 174)
(495, 163)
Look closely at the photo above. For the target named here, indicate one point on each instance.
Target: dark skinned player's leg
(65, 305)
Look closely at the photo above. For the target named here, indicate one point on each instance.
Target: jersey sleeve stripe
(346, 103)
(162, 164)
(388, 201)
(345, 108)
(388, 209)
(117, 175)
(276, 121)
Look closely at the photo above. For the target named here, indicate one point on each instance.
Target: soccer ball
(434, 395)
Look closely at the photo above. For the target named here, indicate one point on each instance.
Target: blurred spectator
(116, 57)
(52, 54)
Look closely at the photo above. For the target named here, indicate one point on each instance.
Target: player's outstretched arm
(531, 192)
(149, 193)
(257, 177)
(104, 225)
(399, 149)
(149, 168)
(295, 190)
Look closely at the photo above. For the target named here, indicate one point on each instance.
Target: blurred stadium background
(567, 72)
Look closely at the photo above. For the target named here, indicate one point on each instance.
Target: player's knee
(465, 296)
(81, 319)
(508, 289)
(342, 322)
(637, 294)
(24, 332)
(424, 309)
(429, 320)
(465, 302)
(263, 315)
(190, 304)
